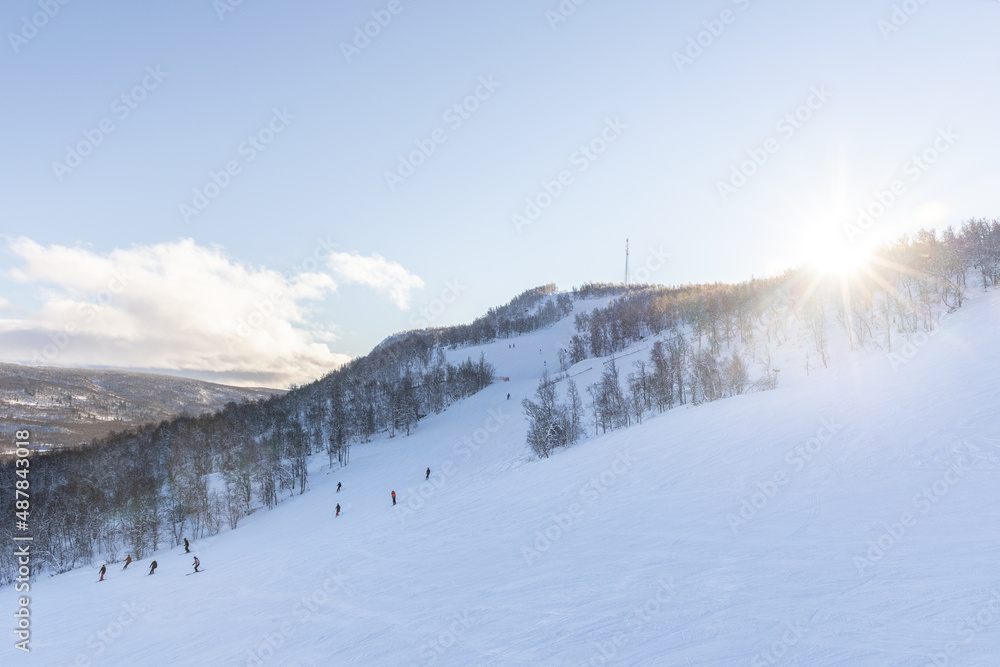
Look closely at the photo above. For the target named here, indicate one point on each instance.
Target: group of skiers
(197, 563)
(427, 475)
(153, 565)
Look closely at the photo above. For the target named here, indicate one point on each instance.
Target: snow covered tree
(662, 377)
(611, 408)
(574, 409)
(549, 423)
(735, 375)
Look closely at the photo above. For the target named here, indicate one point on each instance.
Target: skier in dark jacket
(152, 567)
(103, 570)
(186, 545)
(196, 563)
(338, 487)
(428, 475)
(128, 559)
(338, 509)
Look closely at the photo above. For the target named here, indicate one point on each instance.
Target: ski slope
(850, 517)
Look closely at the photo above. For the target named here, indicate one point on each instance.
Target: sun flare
(838, 259)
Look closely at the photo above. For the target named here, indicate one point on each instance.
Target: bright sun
(838, 259)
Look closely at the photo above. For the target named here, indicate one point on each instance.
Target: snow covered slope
(851, 517)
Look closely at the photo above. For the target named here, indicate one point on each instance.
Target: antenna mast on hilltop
(626, 261)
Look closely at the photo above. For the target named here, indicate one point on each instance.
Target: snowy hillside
(67, 406)
(849, 517)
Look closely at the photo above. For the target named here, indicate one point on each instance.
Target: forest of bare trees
(134, 491)
(714, 339)
(138, 490)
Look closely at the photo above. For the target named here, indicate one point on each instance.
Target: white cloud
(383, 276)
(173, 306)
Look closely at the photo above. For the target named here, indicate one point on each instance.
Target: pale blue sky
(322, 176)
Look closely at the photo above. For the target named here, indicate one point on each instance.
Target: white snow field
(851, 517)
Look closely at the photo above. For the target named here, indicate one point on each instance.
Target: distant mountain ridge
(68, 406)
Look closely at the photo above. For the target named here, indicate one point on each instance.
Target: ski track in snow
(647, 570)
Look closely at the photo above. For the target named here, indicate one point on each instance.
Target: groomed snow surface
(851, 517)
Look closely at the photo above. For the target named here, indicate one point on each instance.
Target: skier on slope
(428, 475)
(187, 550)
(103, 570)
(338, 509)
(152, 567)
(338, 487)
(393, 497)
(196, 563)
(128, 559)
